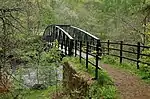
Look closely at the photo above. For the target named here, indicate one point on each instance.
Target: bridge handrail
(67, 34)
(46, 29)
(68, 44)
(85, 32)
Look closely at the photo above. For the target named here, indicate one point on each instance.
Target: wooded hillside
(22, 24)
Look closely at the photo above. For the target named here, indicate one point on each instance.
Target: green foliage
(144, 67)
(109, 59)
(107, 92)
(103, 87)
(107, 19)
(147, 51)
(45, 65)
(129, 66)
(32, 94)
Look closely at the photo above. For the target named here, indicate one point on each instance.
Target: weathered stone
(75, 85)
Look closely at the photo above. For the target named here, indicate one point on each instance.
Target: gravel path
(129, 86)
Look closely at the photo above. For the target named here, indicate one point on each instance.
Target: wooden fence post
(80, 50)
(87, 52)
(108, 43)
(138, 55)
(97, 58)
(121, 48)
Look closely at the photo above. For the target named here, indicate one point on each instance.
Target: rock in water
(39, 87)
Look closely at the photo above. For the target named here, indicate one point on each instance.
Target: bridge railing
(88, 44)
(72, 40)
(83, 35)
(65, 41)
(83, 39)
(133, 53)
(83, 32)
(79, 46)
(80, 34)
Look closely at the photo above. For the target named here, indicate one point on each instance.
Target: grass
(103, 88)
(129, 66)
(31, 94)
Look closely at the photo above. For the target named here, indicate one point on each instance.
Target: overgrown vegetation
(32, 94)
(124, 20)
(40, 74)
(22, 23)
(143, 72)
(102, 88)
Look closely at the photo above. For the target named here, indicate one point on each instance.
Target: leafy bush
(145, 67)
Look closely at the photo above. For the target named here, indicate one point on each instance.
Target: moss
(101, 88)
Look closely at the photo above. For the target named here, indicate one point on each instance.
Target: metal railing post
(66, 44)
(108, 43)
(80, 54)
(87, 52)
(75, 48)
(121, 48)
(138, 55)
(59, 36)
(70, 50)
(62, 41)
(97, 58)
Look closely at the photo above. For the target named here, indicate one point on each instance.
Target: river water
(47, 76)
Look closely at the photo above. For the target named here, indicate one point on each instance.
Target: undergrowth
(103, 88)
(31, 94)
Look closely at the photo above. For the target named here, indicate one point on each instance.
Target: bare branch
(11, 24)
(131, 26)
(10, 10)
(17, 21)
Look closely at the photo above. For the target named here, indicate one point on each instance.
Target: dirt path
(129, 86)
